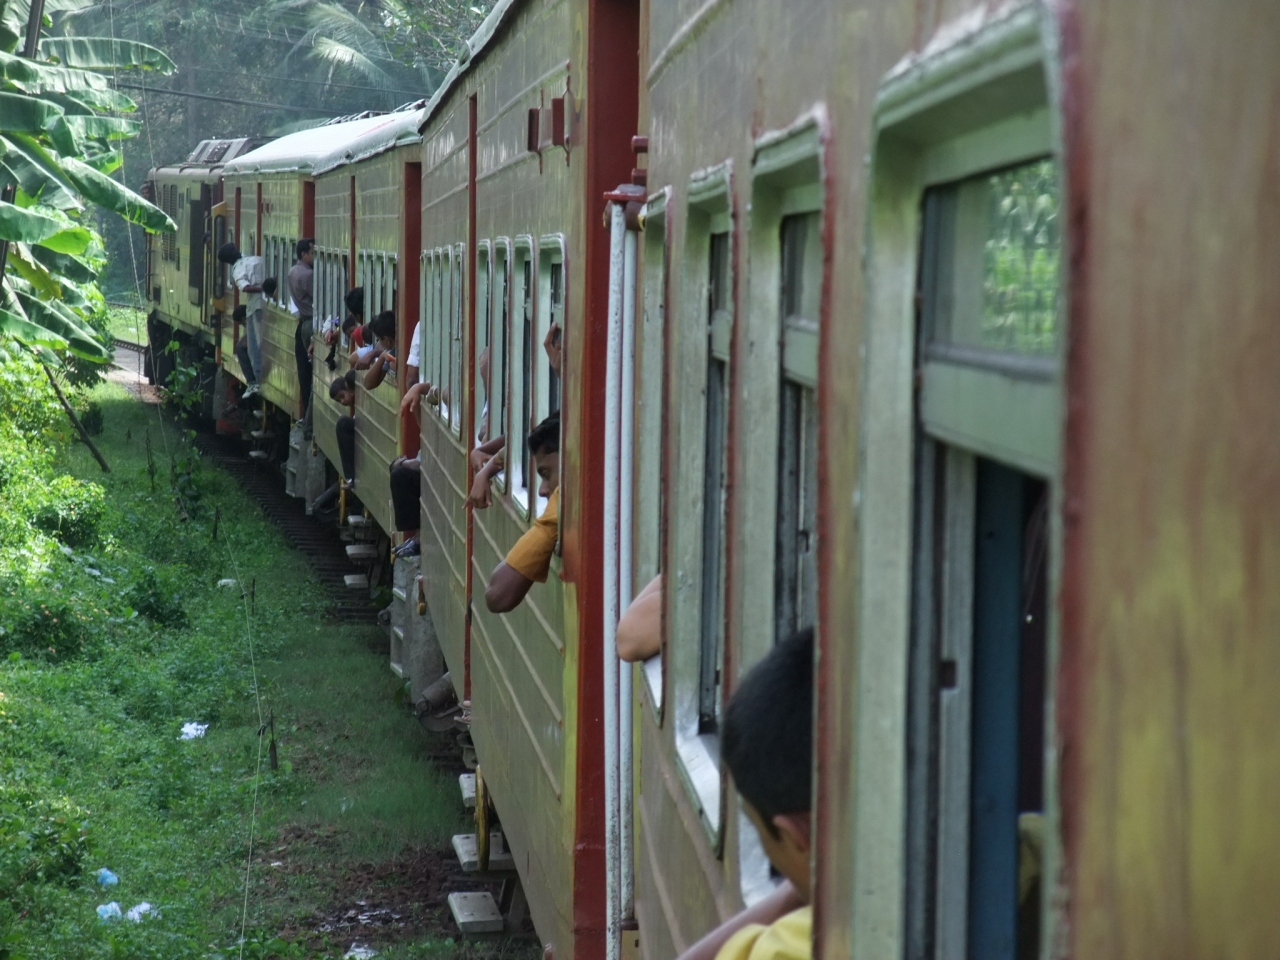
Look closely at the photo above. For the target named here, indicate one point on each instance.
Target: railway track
(322, 545)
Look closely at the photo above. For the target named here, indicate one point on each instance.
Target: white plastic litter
(359, 951)
(109, 911)
(226, 583)
(106, 878)
(141, 910)
(193, 730)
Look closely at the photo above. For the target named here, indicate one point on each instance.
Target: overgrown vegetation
(115, 633)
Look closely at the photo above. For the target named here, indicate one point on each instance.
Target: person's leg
(406, 487)
(253, 334)
(346, 431)
(242, 354)
(301, 342)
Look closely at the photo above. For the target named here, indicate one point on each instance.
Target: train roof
(210, 155)
(332, 145)
(478, 44)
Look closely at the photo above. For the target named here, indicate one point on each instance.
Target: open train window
(458, 307)
(522, 373)
(959, 489)
(650, 381)
(700, 521)
(500, 354)
(484, 339)
(551, 298)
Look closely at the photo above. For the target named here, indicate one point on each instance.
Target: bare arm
(778, 904)
(506, 589)
(377, 373)
(487, 450)
(640, 629)
(479, 496)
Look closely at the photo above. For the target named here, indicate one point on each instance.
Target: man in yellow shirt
(530, 559)
(767, 743)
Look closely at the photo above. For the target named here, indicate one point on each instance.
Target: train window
(650, 380)
(522, 373)
(444, 306)
(795, 576)
(699, 522)
(956, 497)
(551, 296)
(424, 320)
(458, 304)
(484, 340)
(499, 362)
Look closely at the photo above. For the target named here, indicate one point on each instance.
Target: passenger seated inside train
(382, 362)
(767, 743)
(530, 559)
(639, 635)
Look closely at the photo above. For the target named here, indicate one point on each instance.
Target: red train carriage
(518, 148)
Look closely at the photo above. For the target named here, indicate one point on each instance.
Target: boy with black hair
(343, 390)
(530, 559)
(383, 359)
(766, 740)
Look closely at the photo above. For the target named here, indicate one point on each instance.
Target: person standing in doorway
(301, 282)
(248, 274)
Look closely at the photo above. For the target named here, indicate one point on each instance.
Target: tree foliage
(60, 137)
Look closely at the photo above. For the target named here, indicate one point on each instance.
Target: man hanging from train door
(530, 559)
(248, 274)
(301, 280)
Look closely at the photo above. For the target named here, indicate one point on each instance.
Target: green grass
(92, 773)
(127, 324)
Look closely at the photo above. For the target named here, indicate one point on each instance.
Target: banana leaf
(24, 114)
(58, 319)
(65, 265)
(39, 173)
(28, 226)
(114, 195)
(103, 128)
(15, 322)
(41, 280)
(105, 53)
(94, 89)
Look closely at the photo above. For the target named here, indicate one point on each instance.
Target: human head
(341, 391)
(228, 253)
(544, 445)
(240, 314)
(270, 286)
(354, 301)
(383, 328)
(766, 740)
(349, 324)
(306, 250)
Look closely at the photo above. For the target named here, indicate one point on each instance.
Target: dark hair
(270, 286)
(355, 301)
(349, 323)
(228, 253)
(383, 325)
(545, 437)
(240, 314)
(304, 246)
(338, 384)
(766, 738)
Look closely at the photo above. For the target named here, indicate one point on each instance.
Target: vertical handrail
(612, 844)
(626, 474)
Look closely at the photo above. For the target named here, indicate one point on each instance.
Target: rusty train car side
(930, 353)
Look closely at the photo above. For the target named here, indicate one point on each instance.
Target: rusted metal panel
(1170, 666)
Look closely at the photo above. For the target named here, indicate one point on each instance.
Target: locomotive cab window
(962, 469)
